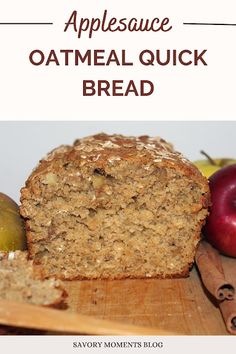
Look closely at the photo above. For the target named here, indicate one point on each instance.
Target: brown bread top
(102, 151)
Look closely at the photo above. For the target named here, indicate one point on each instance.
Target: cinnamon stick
(228, 311)
(210, 267)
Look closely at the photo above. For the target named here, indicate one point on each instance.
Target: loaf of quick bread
(114, 207)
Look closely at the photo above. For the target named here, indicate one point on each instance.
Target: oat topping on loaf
(114, 207)
(19, 282)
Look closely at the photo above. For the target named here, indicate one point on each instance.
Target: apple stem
(208, 157)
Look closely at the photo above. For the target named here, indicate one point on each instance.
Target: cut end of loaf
(114, 207)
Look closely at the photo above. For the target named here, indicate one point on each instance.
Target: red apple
(220, 228)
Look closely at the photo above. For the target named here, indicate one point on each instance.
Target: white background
(23, 144)
(29, 92)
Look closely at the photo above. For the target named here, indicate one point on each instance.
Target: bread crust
(102, 149)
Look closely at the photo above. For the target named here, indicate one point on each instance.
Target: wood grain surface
(176, 305)
(181, 306)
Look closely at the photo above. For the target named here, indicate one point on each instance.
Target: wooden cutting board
(178, 305)
(181, 306)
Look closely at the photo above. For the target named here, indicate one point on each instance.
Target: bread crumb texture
(114, 207)
(20, 281)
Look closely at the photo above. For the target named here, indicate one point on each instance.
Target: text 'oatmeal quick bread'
(114, 207)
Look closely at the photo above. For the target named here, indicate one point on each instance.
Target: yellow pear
(12, 231)
(210, 165)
